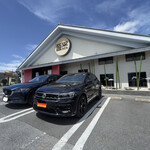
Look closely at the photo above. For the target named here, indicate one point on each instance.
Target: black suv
(68, 96)
(24, 92)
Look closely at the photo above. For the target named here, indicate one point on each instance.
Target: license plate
(5, 99)
(44, 105)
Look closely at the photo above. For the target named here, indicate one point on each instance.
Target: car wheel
(82, 106)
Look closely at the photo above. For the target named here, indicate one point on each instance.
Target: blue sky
(25, 23)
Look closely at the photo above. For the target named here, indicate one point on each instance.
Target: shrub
(4, 81)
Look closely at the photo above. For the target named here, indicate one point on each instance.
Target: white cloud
(17, 56)
(9, 66)
(130, 26)
(138, 20)
(17, 60)
(12, 65)
(49, 10)
(99, 25)
(30, 48)
(108, 6)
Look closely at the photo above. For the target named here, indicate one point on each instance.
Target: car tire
(82, 106)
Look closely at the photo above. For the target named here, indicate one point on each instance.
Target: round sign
(62, 46)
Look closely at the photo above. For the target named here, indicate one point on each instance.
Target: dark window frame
(63, 72)
(135, 56)
(83, 70)
(108, 76)
(133, 82)
(107, 60)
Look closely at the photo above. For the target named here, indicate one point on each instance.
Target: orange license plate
(41, 105)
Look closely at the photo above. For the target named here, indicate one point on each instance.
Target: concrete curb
(116, 98)
(142, 100)
(126, 92)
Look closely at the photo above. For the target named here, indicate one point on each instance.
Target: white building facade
(72, 49)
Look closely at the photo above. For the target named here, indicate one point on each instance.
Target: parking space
(114, 124)
(1, 90)
(125, 124)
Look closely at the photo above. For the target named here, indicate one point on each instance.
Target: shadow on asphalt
(17, 106)
(57, 120)
(64, 120)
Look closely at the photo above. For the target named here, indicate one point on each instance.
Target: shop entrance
(41, 71)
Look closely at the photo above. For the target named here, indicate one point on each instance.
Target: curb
(116, 98)
(142, 100)
(123, 92)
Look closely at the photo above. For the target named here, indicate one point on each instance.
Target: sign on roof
(63, 46)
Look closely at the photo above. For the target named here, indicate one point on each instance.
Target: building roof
(133, 41)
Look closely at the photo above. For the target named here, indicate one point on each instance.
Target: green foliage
(138, 74)
(93, 67)
(117, 74)
(105, 75)
(82, 67)
(89, 67)
(4, 81)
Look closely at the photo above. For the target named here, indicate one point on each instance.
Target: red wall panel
(56, 69)
(27, 75)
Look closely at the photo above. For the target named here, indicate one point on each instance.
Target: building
(9, 76)
(71, 49)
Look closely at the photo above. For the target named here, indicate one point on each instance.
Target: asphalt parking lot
(115, 124)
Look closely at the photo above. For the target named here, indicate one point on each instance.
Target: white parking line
(81, 141)
(16, 115)
(71, 131)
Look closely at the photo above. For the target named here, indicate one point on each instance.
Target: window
(108, 60)
(72, 78)
(135, 56)
(13, 80)
(94, 79)
(88, 78)
(109, 78)
(40, 71)
(54, 78)
(133, 82)
(63, 72)
(84, 70)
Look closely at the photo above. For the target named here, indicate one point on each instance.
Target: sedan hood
(22, 85)
(59, 87)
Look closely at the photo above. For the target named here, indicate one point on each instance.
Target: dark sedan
(24, 92)
(68, 96)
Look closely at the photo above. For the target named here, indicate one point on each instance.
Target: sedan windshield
(39, 79)
(72, 78)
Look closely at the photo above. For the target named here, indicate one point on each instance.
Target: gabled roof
(134, 41)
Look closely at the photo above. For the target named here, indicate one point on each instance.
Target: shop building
(72, 49)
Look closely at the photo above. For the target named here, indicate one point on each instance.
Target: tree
(105, 75)
(4, 81)
(138, 74)
(117, 74)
